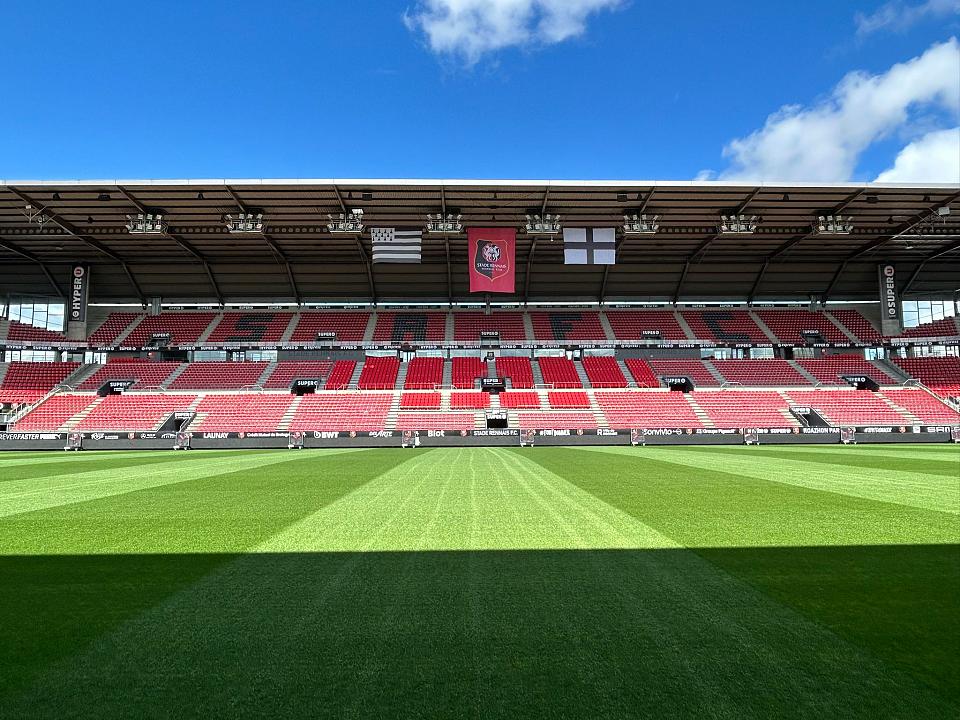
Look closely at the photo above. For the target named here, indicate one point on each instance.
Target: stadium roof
(296, 258)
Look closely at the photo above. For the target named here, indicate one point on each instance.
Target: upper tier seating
(24, 332)
(561, 326)
(557, 421)
(134, 411)
(349, 326)
(693, 369)
(469, 400)
(435, 421)
(252, 327)
(399, 327)
(424, 373)
(467, 326)
(184, 328)
(848, 407)
(465, 371)
(350, 411)
(219, 376)
(420, 400)
(340, 374)
(559, 372)
(289, 370)
(789, 326)
(518, 369)
(603, 371)
(728, 326)
(760, 373)
(829, 370)
(643, 374)
(245, 412)
(645, 325)
(568, 399)
(519, 399)
(941, 374)
(858, 325)
(109, 331)
(745, 409)
(947, 327)
(32, 380)
(54, 413)
(631, 409)
(379, 373)
(923, 406)
(146, 374)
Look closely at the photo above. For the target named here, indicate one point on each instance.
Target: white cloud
(935, 157)
(824, 142)
(470, 29)
(898, 15)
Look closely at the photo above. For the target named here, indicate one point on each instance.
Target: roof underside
(296, 258)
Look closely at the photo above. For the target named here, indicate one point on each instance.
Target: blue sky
(601, 89)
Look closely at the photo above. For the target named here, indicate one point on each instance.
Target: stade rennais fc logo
(491, 258)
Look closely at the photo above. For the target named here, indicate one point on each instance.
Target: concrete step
(290, 413)
(401, 375)
(528, 326)
(78, 418)
(699, 411)
(447, 379)
(356, 374)
(626, 373)
(763, 326)
(391, 423)
(3, 370)
(291, 326)
(537, 375)
(907, 415)
(371, 326)
(4, 329)
(607, 328)
(448, 328)
(78, 376)
(713, 371)
(683, 324)
(597, 411)
(810, 378)
(173, 376)
(206, 333)
(267, 372)
(582, 374)
(890, 368)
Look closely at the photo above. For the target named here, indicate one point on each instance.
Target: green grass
(727, 582)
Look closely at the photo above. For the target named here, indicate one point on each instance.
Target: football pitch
(734, 582)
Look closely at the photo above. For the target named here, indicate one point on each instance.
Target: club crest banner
(491, 258)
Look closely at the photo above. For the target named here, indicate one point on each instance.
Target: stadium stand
(519, 399)
(698, 373)
(219, 376)
(645, 325)
(557, 421)
(30, 381)
(941, 374)
(250, 327)
(466, 370)
(759, 373)
(830, 370)
(261, 412)
(603, 371)
(469, 400)
(340, 374)
(559, 372)
(287, 371)
(643, 374)
(517, 369)
(379, 373)
(467, 326)
(424, 373)
(858, 326)
(352, 411)
(656, 409)
(947, 327)
(568, 400)
(435, 421)
(922, 405)
(145, 374)
(110, 329)
(560, 326)
(23, 332)
(420, 401)
(849, 407)
(792, 326)
(134, 411)
(54, 413)
(739, 408)
(183, 328)
(346, 326)
(410, 327)
(730, 326)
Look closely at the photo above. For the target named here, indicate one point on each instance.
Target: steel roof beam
(916, 272)
(33, 258)
(361, 250)
(84, 238)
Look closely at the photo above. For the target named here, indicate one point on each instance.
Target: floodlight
(738, 224)
(146, 224)
(641, 224)
(245, 222)
(543, 224)
(351, 222)
(834, 225)
(450, 224)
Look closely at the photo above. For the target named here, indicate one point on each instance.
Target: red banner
(491, 258)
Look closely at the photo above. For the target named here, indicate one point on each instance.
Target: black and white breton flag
(396, 246)
(589, 246)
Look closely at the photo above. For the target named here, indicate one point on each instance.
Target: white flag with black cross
(589, 246)
(391, 245)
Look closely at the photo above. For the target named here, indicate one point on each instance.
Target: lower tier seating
(134, 411)
(435, 421)
(923, 406)
(740, 409)
(568, 399)
(424, 373)
(261, 412)
(829, 371)
(145, 374)
(557, 421)
(559, 372)
(379, 373)
(469, 400)
(603, 371)
(466, 370)
(36, 377)
(760, 373)
(517, 369)
(54, 413)
(849, 407)
(360, 412)
(514, 400)
(647, 409)
(942, 374)
(420, 400)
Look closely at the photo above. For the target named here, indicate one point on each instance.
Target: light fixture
(351, 222)
(245, 222)
(36, 216)
(738, 224)
(943, 211)
(146, 224)
(834, 225)
(449, 224)
(543, 224)
(641, 224)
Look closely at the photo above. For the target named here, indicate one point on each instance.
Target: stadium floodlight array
(448, 224)
(35, 215)
(351, 222)
(738, 224)
(146, 224)
(834, 225)
(244, 222)
(641, 224)
(544, 224)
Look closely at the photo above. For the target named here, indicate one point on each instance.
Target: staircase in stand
(355, 378)
(174, 375)
(289, 414)
(267, 372)
(597, 412)
(796, 366)
(78, 418)
(699, 411)
(627, 375)
(118, 341)
(906, 414)
(394, 411)
(581, 373)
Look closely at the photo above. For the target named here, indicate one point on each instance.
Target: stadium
(396, 448)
